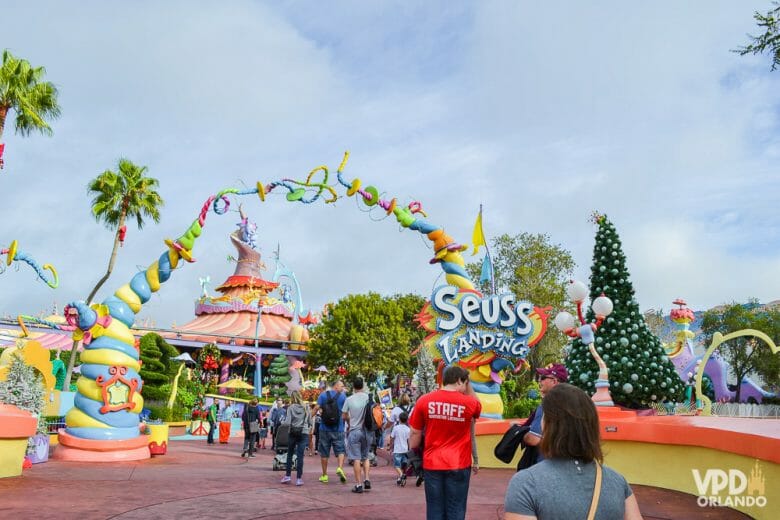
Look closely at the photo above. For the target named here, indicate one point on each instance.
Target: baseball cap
(556, 370)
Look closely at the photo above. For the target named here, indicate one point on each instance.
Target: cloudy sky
(542, 113)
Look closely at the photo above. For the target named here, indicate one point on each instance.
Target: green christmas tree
(425, 373)
(280, 374)
(640, 373)
(153, 371)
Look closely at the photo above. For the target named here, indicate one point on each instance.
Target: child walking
(400, 436)
(263, 429)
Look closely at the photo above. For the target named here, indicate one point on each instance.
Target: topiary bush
(522, 408)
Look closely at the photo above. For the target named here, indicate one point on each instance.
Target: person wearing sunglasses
(548, 377)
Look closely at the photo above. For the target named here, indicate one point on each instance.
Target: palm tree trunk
(3, 115)
(111, 262)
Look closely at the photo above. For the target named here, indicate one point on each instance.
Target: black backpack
(330, 410)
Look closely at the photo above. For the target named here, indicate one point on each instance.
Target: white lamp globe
(602, 306)
(564, 321)
(577, 291)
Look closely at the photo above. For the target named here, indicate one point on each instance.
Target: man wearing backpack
(355, 409)
(331, 429)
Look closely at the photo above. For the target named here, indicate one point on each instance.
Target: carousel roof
(49, 340)
(240, 327)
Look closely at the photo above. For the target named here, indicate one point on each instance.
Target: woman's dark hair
(454, 374)
(570, 427)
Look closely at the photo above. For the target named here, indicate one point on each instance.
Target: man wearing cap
(549, 376)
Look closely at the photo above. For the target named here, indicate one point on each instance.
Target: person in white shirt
(400, 436)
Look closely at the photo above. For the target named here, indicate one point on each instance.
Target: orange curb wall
(663, 451)
(755, 438)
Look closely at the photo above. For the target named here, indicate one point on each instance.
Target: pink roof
(208, 327)
(49, 340)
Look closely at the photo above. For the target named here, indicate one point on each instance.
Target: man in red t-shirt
(446, 418)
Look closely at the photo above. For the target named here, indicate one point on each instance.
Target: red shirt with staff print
(445, 418)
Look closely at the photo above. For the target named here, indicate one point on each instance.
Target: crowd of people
(433, 439)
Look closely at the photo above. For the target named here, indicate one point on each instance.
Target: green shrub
(160, 412)
(522, 407)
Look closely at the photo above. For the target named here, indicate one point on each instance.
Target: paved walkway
(197, 481)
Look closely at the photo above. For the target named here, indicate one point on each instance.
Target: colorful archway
(109, 399)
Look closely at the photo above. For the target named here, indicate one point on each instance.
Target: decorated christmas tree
(640, 373)
(426, 372)
(280, 374)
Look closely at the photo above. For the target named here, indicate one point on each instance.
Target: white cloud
(542, 114)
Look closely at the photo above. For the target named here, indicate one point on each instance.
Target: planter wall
(16, 426)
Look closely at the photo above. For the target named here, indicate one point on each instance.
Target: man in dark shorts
(332, 435)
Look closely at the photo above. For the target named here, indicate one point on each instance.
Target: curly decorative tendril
(14, 255)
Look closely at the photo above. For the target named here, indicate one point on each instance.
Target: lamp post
(566, 323)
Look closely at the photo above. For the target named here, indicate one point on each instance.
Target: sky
(541, 112)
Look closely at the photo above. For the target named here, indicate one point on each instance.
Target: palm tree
(22, 89)
(117, 196)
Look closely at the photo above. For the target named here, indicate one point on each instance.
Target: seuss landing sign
(465, 325)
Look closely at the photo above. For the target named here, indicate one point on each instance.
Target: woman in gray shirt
(562, 486)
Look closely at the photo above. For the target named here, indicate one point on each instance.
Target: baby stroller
(282, 441)
(413, 467)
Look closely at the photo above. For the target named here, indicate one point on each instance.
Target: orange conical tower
(232, 317)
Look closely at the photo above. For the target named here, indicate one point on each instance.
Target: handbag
(296, 432)
(594, 503)
(254, 427)
(507, 446)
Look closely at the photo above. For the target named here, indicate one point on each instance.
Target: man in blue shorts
(331, 432)
(357, 437)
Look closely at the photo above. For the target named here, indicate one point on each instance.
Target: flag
(478, 237)
(487, 270)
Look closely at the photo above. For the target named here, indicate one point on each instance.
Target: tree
(369, 333)
(745, 355)
(656, 322)
(426, 372)
(770, 40)
(22, 89)
(153, 370)
(639, 370)
(280, 375)
(117, 196)
(535, 270)
(157, 369)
